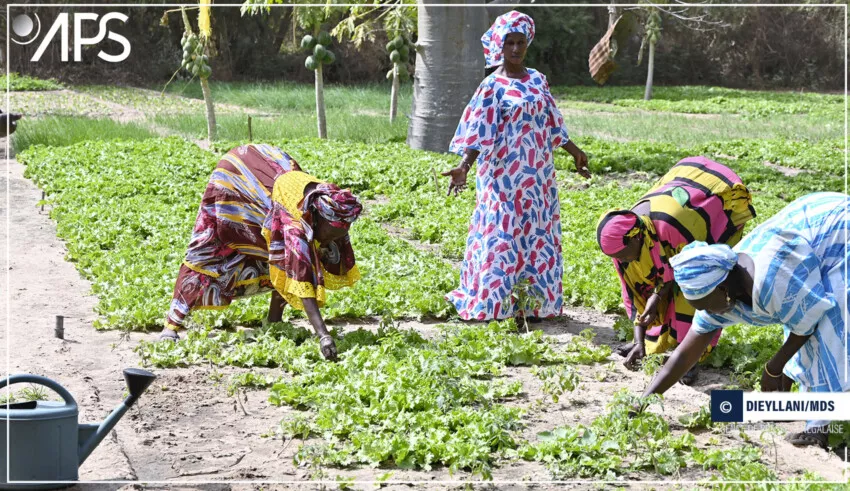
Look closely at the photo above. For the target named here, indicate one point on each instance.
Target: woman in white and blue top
(790, 270)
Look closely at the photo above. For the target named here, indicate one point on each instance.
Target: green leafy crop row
(120, 201)
(126, 211)
(19, 82)
(394, 397)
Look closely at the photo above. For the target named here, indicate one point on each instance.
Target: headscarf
(338, 206)
(614, 228)
(700, 268)
(494, 39)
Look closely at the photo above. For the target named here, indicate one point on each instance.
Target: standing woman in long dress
(511, 128)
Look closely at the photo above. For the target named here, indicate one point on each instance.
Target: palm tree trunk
(650, 68)
(205, 88)
(394, 95)
(448, 70)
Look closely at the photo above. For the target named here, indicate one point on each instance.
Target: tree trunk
(205, 88)
(650, 67)
(612, 13)
(320, 104)
(320, 94)
(448, 70)
(394, 95)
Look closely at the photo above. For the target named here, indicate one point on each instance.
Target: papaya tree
(310, 19)
(396, 18)
(400, 50)
(652, 34)
(196, 57)
(688, 16)
(318, 45)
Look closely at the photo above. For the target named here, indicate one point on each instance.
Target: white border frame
(388, 482)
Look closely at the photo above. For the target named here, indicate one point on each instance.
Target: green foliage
(624, 329)
(127, 226)
(248, 380)
(651, 364)
(711, 100)
(556, 380)
(404, 281)
(363, 22)
(614, 444)
(745, 349)
(65, 130)
(150, 102)
(734, 464)
(526, 298)
(45, 103)
(30, 393)
(18, 82)
(393, 397)
(697, 421)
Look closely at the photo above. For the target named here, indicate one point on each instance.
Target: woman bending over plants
(511, 127)
(264, 225)
(697, 200)
(790, 270)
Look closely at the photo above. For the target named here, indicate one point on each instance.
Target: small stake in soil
(59, 330)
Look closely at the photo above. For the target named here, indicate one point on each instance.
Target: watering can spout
(90, 436)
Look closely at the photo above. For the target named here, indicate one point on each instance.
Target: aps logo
(27, 27)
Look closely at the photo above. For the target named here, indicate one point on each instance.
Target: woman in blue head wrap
(511, 128)
(790, 270)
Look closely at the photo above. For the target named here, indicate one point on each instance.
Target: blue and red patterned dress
(515, 231)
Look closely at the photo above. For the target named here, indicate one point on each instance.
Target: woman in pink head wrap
(697, 200)
(264, 225)
(511, 128)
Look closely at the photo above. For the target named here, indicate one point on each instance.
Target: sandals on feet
(690, 377)
(814, 437)
(168, 334)
(624, 349)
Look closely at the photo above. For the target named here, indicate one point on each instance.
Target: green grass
(19, 82)
(149, 102)
(36, 104)
(354, 113)
(287, 96)
(711, 100)
(60, 131)
(341, 126)
(692, 129)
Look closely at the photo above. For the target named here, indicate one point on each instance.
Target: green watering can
(46, 443)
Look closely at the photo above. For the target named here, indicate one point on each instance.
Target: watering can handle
(38, 379)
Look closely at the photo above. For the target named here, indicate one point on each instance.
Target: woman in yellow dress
(264, 225)
(697, 200)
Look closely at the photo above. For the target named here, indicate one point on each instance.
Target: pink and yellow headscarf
(494, 39)
(614, 228)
